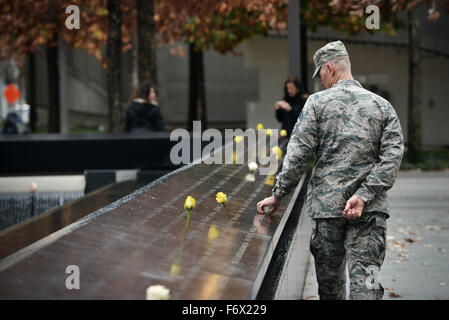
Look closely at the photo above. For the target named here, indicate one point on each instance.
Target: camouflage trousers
(361, 243)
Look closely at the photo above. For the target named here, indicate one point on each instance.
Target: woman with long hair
(288, 109)
(143, 112)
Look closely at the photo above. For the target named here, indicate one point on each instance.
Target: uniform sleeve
(302, 145)
(384, 172)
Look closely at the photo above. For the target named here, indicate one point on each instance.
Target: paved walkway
(416, 265)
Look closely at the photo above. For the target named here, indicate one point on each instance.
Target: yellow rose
(268, 131)
(190, 203)
(283, 133)
(259, 126)
(238, 139)
(277, 151)
(221, 198)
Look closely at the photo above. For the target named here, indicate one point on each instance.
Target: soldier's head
(332, 63)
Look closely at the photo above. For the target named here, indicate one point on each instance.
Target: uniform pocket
(381, 221)
(366, 238)
(379, 236)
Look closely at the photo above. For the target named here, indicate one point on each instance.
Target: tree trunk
(414, 89)
(113, 59)
(145, 41)
(54, 108)
(31, 91)
(134, 68)
(197, 92)
(303, 44)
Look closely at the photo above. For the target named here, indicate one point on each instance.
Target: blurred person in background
(288, 109)
(143, 112)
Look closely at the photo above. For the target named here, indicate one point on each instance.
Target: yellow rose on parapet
(189, 204)
(221, 198)
(283, 133)
(259, 126)
(277, 152)
(238, 139)
(268, 132)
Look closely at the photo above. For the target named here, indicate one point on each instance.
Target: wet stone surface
(146, 241)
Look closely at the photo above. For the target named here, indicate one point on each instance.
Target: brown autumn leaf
(394, 295)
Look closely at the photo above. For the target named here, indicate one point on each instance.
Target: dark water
(18, 207)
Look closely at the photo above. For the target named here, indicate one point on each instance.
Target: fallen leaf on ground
(399, 244)
(410, 240)
(441, 249)
(394, 295)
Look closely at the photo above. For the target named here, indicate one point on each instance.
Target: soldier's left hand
(354, 208)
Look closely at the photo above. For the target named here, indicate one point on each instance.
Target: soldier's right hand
(354, 208)
(270, 201)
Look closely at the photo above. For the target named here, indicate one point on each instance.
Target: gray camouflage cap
(330, 51)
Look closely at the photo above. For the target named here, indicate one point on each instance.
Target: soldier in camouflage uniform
(356, 138)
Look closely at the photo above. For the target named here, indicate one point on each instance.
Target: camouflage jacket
(356, 139)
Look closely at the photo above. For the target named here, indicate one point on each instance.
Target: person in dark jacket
(288, 109)
(143, 113)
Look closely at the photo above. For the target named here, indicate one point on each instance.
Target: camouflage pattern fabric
(330, 51)
(360, 241)
(358, 145)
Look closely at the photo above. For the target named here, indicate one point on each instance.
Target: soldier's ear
(331, 69)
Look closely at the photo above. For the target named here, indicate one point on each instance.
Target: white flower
(33, 186)
(252, 166)
(158, 292)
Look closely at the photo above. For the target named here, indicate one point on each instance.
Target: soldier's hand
(354, 208)
(270, 201)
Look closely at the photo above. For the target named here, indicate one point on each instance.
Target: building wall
(270, 57)
(229, 84)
